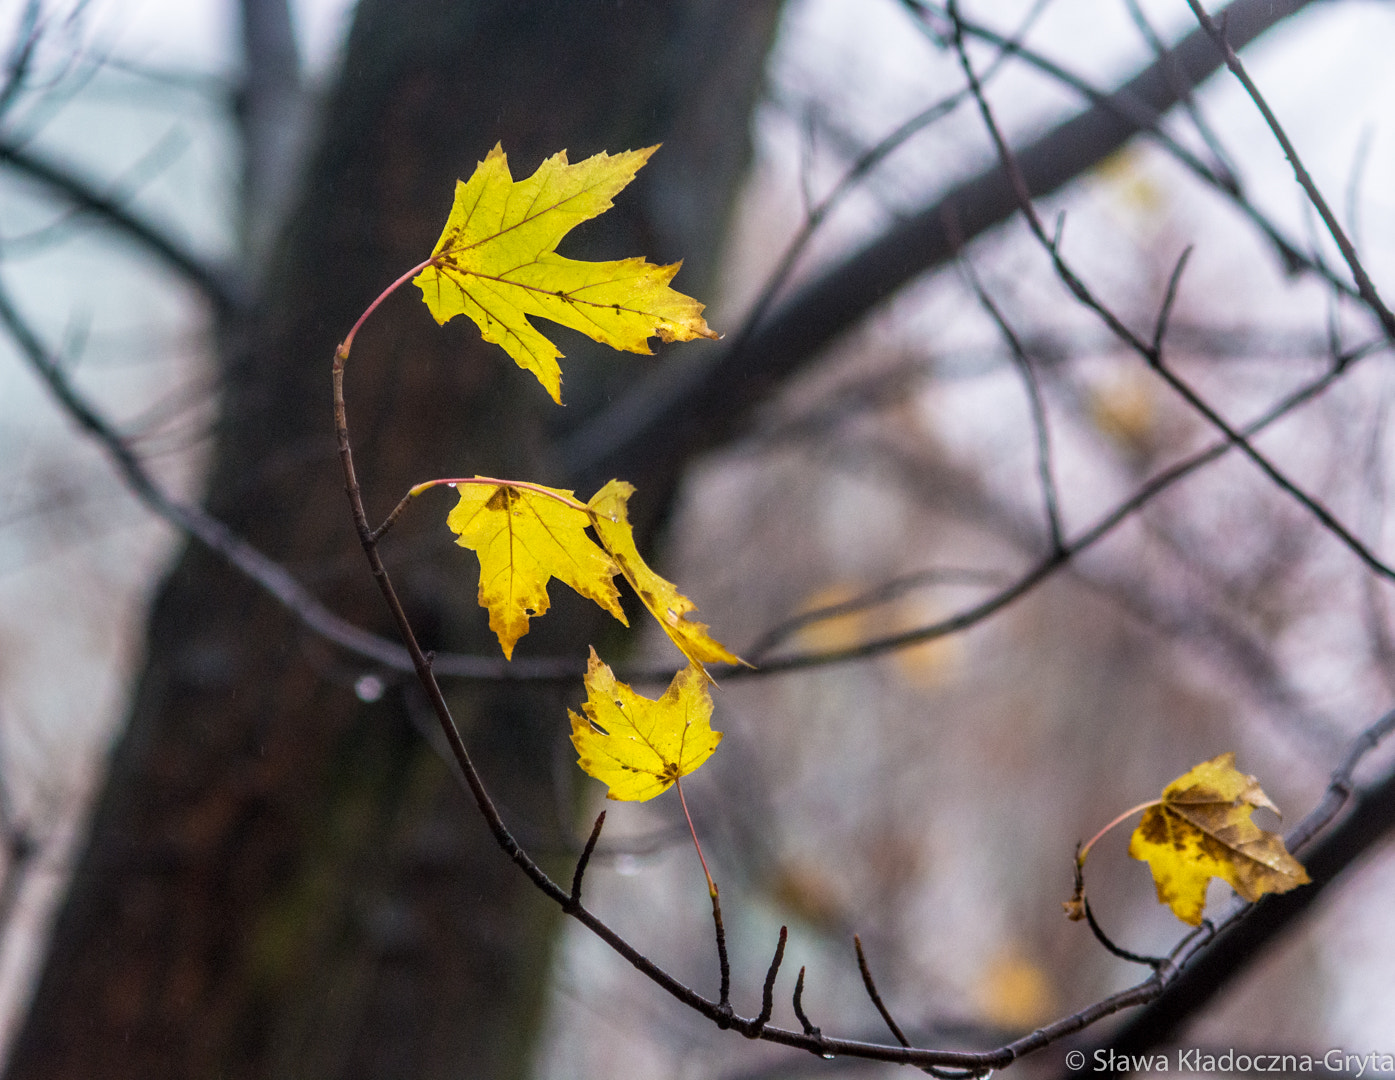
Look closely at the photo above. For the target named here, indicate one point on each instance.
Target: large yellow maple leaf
(1202, 829)
(496, 263)
(610, 519)
(638, 746)
(525, 535)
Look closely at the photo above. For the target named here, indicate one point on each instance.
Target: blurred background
(233, 846)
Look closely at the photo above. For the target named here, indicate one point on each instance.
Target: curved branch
(1036, 404)
(221, 288)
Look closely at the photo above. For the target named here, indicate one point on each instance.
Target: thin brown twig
(871, 986)
(1358, 272)
(804, 1022)
(723, 963)
(767, 1001)
(1035, 403)
(575, 899)
(1034, 575)
(1174, 282)
(391, 520)
(1148, 121)
(1104, 939)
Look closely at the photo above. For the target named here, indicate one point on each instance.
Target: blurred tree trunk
(281, 879)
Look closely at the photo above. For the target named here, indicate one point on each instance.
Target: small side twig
(1174, 280)
(767, 1001)
(1023, 362)
(809, 1029)
(1078, 906)
(724, 999)
(1154, 962)
(724, 995)
(871, 985)
(1358, 272)
(575, 901)
(1226, 174)
(391, 519)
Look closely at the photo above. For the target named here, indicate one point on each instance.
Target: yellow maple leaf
(610, 519)
(1202, 829)
(637, 746)
(525, 535)
(496, 263)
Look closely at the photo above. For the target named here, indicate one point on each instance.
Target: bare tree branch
(1220, 36)
(1152, 353)
(691, 406)
(266, 572)
(218, 284)
(1045, 474)
(1221, 176)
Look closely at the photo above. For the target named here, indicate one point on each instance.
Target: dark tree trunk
(282, 880)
